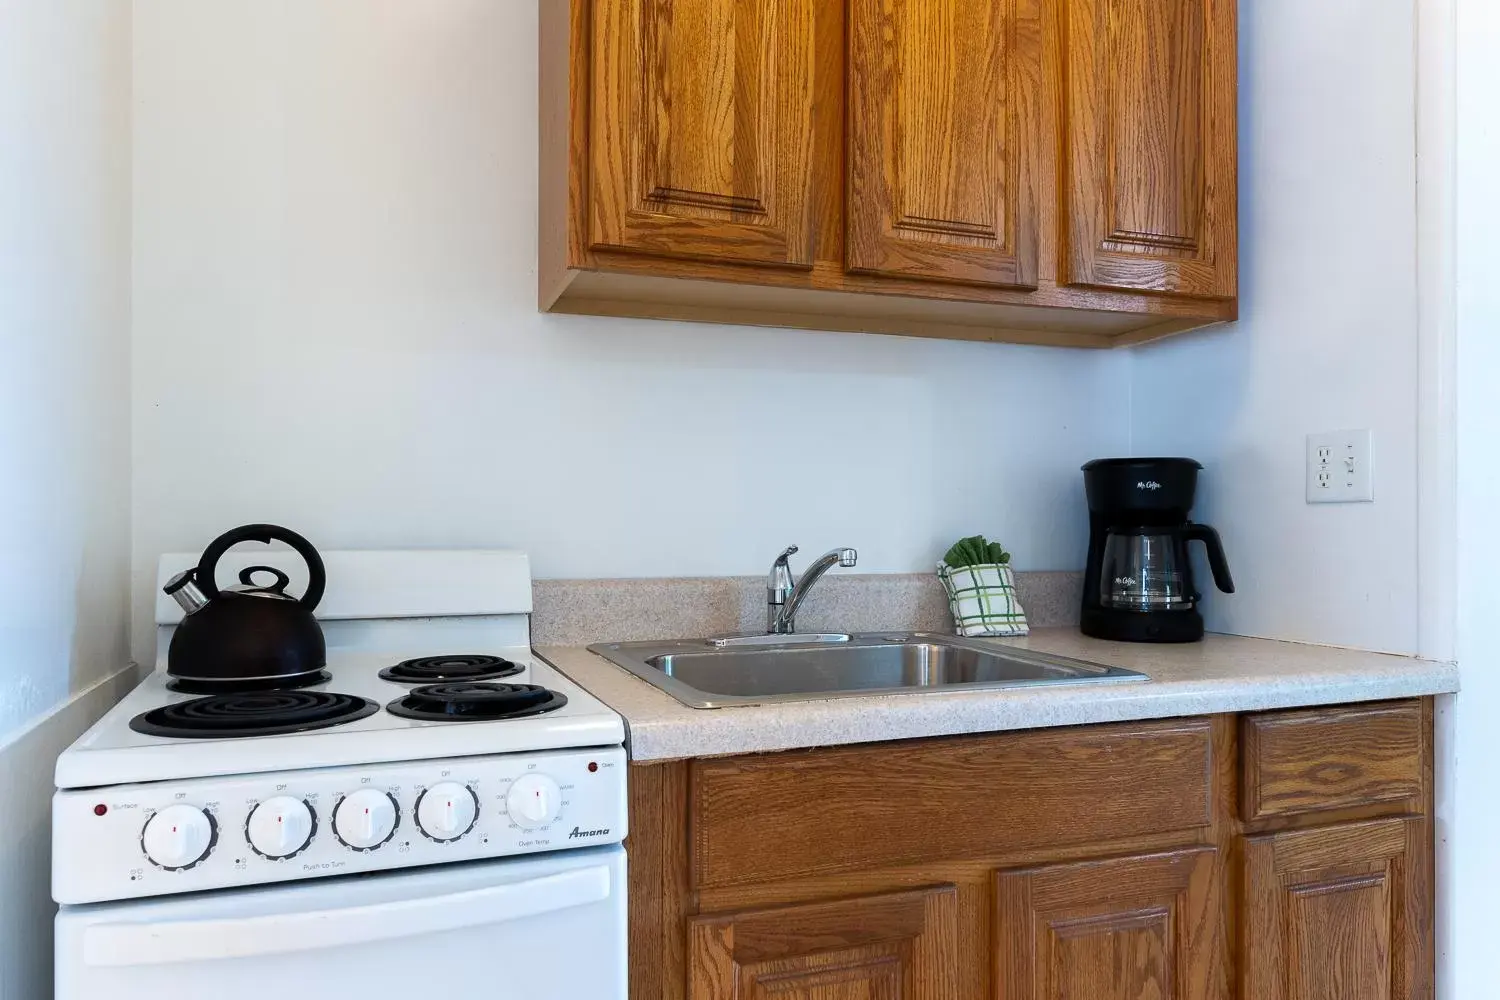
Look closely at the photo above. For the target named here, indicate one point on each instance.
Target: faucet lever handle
(791, 550)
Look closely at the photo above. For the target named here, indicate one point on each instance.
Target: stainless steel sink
(759, 670)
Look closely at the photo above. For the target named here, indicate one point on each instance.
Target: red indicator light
(593, 766)
(101, 809)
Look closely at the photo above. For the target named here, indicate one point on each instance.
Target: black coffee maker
(1138, 584)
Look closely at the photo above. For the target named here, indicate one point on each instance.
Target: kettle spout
(183, 589)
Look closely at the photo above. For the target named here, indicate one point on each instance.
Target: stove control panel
(184, 836)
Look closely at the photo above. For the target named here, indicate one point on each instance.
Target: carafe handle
(1217, 563)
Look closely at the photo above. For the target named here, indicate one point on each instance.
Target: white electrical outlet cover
(1340, 467)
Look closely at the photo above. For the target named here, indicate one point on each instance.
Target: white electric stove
(441, 809)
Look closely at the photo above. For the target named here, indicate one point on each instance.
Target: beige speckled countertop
(1221, 674)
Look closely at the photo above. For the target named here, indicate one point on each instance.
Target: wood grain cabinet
(1149, 145)
(1273, 856)
(701, 129)
(896, 945)
(1341, 911)
(1119, 929)
(944, 117)
(1046, 171)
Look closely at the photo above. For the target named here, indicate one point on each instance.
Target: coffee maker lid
(1125, 463)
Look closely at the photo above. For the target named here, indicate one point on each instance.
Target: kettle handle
(208, 563)
(1217, 562)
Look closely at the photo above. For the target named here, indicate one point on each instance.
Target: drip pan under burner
(266, 713)
(476, 702)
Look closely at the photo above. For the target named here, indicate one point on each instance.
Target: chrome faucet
(785, 595)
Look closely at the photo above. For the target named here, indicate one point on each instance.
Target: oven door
(548, 927)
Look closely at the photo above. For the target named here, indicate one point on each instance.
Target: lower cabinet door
(1342, 911)
(1121, 929)
(895, 946)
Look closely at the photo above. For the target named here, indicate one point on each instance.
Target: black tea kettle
(251, 634)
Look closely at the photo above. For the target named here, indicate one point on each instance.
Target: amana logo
(1148, 484)
(578, 834)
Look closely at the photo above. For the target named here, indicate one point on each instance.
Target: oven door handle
(177, 941)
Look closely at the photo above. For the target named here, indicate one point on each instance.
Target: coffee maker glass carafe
(1143, 571)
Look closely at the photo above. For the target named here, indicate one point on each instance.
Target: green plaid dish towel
(983, 599)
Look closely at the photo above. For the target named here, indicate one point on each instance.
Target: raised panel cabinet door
(944, 133)
(702, 129)
(1122, 929)
(1149, 197)
(1339, 912)
(895, 946)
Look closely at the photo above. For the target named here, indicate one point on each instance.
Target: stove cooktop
(352, 718)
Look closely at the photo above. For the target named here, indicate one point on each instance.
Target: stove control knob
(534, 800)
(446, 811)
(365, 819)
(178, 837)
(280, 827)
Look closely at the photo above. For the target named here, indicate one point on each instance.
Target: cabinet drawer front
(1331, 758)
(781, 815)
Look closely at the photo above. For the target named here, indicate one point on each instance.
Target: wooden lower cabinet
(1119, 929)
(895, 945)
(1132, 861)
(1341, 911)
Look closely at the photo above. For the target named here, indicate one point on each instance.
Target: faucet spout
(784, 595)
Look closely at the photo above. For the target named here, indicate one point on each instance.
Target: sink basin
(760, 670)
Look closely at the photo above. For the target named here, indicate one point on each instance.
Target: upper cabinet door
(944, 131)
(1149, 146)
(702, 129)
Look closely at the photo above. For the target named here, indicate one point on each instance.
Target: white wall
(64, 422)
(1476, 747)
(335, 328)
(1327, 338)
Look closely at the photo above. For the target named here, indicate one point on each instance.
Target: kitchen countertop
(1222, 673)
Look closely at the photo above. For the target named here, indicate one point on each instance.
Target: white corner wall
(64, 424)
(1473, 862)
(335, 328)
(1328, 334)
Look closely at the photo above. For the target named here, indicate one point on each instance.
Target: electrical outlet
(1340, 467)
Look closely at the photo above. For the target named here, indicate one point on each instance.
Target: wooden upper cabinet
(897, 946)
(1343, 911)
(1149, 199)
(702, 129)
(1121, 929)
(1038, 171)
(944, 134)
